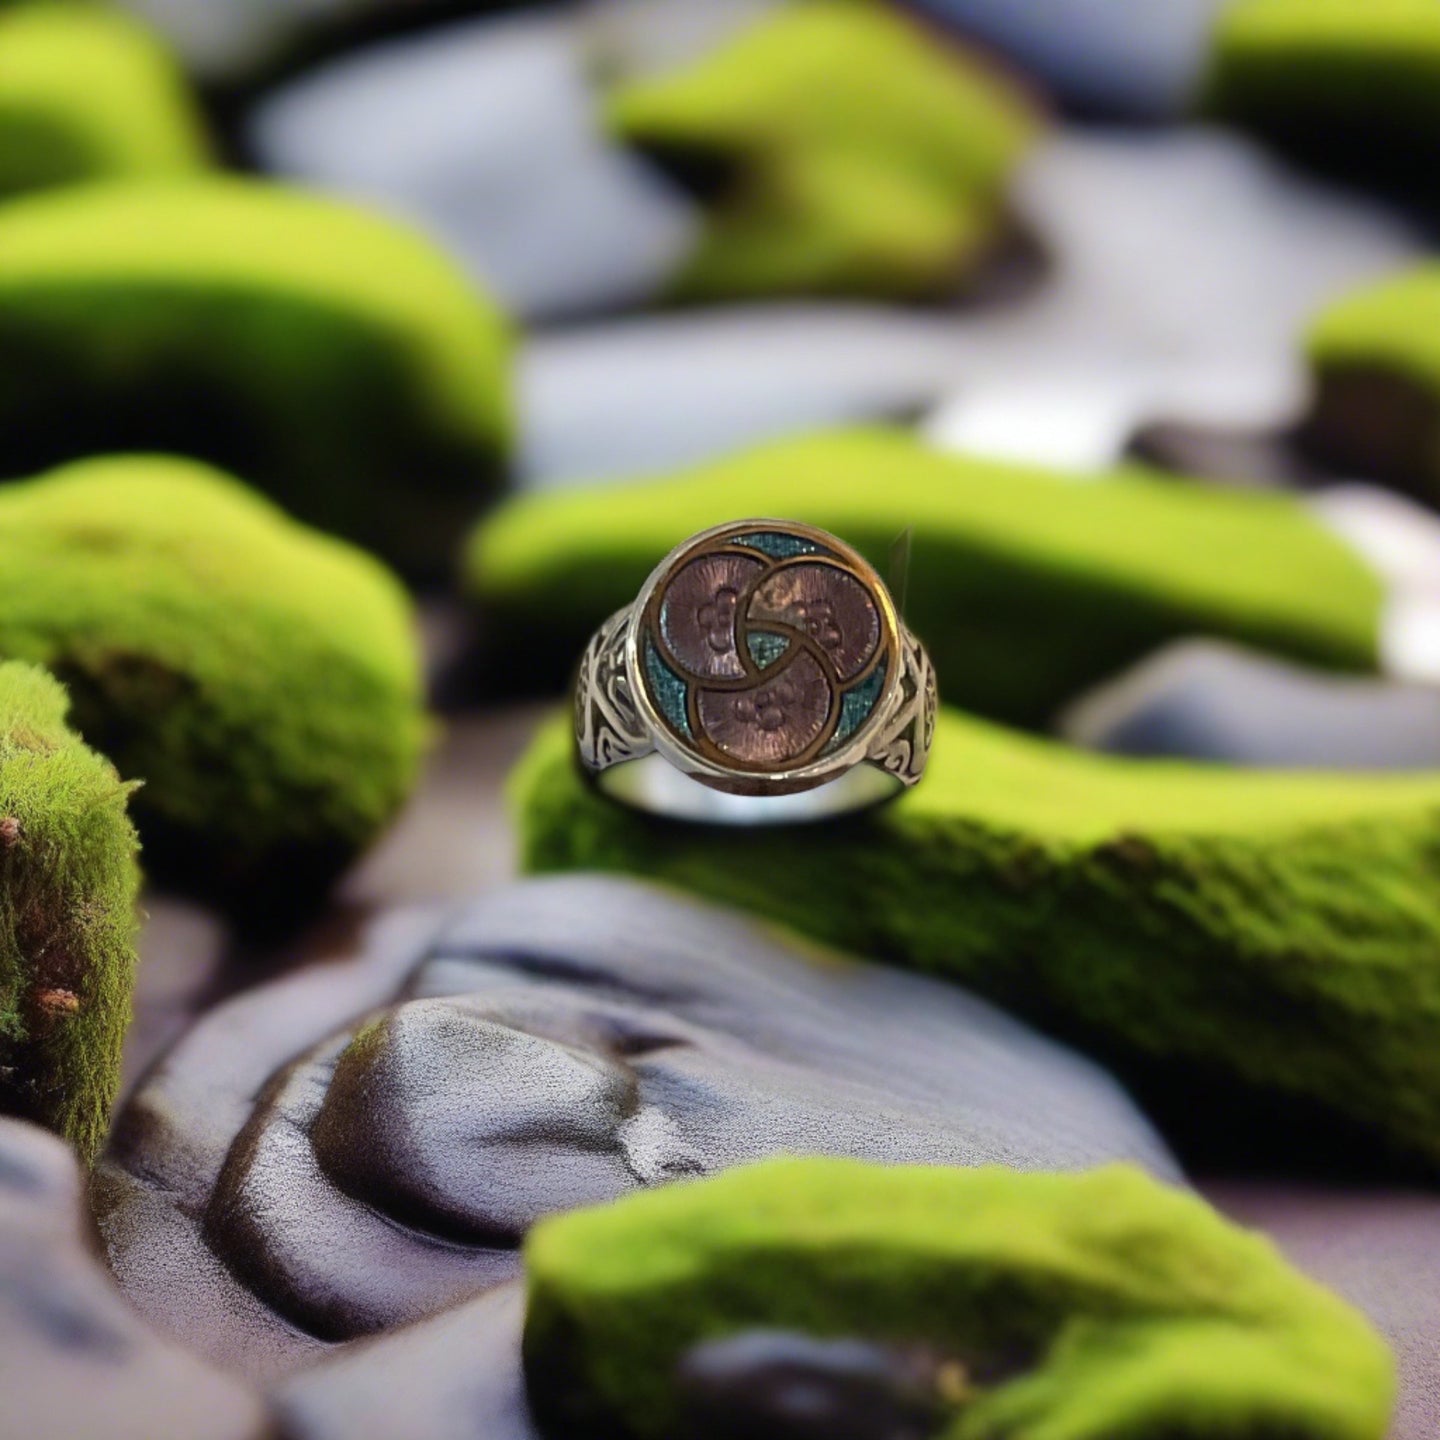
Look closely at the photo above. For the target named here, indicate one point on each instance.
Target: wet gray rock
(1208, 701)
(363, 1146)
(487, 135)
(1111, 57)
(74, 1360)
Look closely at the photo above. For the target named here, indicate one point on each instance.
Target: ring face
(766, 649)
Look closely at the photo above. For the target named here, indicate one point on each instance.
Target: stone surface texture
(75, 1362)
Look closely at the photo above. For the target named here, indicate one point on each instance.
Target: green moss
(332, 357)
(86, 94)
(854, 152)
(1348, 82)
(68, 881)
(1026, 587)
(1278, 930)
(1116, 1306)
(1393, 326)
(260, 678)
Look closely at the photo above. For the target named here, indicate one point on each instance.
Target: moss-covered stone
(87, 93)
(1068, 1307)
(261, 679)
(68, 881)
(1272, 929)
(1348, 83)
(330, 356)
(851, 151)
(1027, 588)
(1376, 358)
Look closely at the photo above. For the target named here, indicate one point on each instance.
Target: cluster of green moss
(1026, 586)
(1079, 1306)
(852, 151)
(1376, 358)
(261, 679)
(333, 357)
(1276, 930)
(1349, 82)
(86, 93)
(68, 882)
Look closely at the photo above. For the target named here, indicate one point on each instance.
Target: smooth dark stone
(1236, 457)
(1207, 701)
(364, 1145)
(75, 1362)
(1377, 423)
(771, 1385)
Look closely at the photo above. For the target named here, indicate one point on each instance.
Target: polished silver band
(623, 746)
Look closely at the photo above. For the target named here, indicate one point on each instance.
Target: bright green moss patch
(86, 94)
(330, 356)
(1276, 930)
(1349, 82)
(1026, 587)
(261, 679)
(1044, 1306)
(851, 150)
(68, 881)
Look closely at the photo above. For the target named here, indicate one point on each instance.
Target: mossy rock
(1349, 84)
(87, 94)
(1276, 932)
(330, 356)
(261, 679)
(848, 150)
(1027, 587)
(1376, 359)
(68, 882)
(1037, 1307)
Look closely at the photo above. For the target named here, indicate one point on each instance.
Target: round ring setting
(762, 659)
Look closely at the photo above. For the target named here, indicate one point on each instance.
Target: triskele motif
(765, 650)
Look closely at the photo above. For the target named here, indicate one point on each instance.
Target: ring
(761, 675)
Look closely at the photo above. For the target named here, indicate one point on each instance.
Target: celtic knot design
(764, 652)
(608, 727)
(904, 746)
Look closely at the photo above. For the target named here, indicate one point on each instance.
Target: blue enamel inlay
(780, 547)
(766, 649)
(858, 704)
(667, 689)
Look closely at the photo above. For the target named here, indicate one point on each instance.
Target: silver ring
(762, 675)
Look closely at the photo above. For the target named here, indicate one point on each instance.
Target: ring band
(761, 675)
